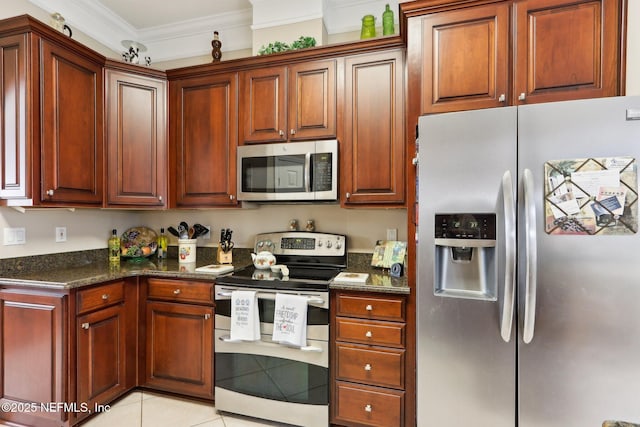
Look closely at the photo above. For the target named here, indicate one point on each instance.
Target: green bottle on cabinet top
(387, 22)
(114, 247)
(368, 27)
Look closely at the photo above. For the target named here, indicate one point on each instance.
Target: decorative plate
(138, 242)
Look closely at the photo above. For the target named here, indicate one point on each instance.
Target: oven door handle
(272, 296)
(227, 339)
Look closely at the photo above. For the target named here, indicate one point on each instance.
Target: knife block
(224, 257)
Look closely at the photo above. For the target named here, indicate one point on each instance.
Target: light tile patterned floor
(144, 409)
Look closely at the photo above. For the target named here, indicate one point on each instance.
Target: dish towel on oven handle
(290, 320)
(245, 317)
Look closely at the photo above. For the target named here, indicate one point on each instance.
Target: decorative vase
(368, 27)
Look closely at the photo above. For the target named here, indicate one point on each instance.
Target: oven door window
(275, 174)
(273, 378)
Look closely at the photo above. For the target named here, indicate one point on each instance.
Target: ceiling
(182, 29)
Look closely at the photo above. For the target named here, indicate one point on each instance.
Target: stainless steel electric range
(263, 378)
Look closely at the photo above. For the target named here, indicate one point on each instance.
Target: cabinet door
(312, 100)
(566, 49)
(465, 56)
(15, 132)
(136, 140)
(72, 141)
(179, 348)
(203, 140)
(372, 165)
(263, 105)
(101, 359)
(34, 358)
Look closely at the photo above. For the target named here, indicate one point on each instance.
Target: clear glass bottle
(162, 245)
(114, 247)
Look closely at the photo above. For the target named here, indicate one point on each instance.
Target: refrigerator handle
(506, 316)
(531, 258)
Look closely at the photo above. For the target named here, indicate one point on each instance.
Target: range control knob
(329, 244)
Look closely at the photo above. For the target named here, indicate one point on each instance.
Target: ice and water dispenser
(465, 256)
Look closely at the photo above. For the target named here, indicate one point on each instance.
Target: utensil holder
(224, 257)
(187, 250)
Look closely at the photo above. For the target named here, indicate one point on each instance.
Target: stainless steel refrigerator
(528, 261)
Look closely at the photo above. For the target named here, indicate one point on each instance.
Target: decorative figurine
(216, 44)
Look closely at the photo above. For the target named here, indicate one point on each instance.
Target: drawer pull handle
(368, 408)
(369, 307)
(176, 292)
(105, 297)
(367, 367)
(85, 326)
(368, 334)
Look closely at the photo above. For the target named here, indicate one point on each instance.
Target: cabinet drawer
(376, 366)
(101, 296)
(370, 332)
(378, 307)
(370, 406)
(180, 290)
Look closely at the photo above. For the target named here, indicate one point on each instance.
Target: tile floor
(145, 409)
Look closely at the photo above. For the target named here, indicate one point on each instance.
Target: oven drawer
(370, 332)
(101, 296)
(375, 366)
(369, 406)
(371, 307)
(180, 290)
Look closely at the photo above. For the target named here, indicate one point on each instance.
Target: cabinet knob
(160, 198)
(49, 192)
(414, 161)
(369, 334)
(502, 98)
(281, 132)
(367, 367)
(292, 131)
(521, 97)
(368, 408)
(369, 307)
(231, 197)
(105, 297)
(176, 292)
(348, 195)
(85, 326)
(207, 316)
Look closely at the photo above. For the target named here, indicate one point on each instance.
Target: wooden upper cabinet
(482, 55)
(15, 134)
(312, 100)
(567, 49)
(466, 56)
(296, 102)
(72, 134)
(262, 105)
(203, 132)
(372, 149)
(136, 140)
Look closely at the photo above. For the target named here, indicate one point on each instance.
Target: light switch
(15, 236)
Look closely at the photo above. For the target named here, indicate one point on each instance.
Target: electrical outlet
(392, 234)
(207, 235)
(15, 236)
(61, 234)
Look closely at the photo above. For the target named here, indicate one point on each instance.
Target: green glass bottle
(114, 247)
(387, 22)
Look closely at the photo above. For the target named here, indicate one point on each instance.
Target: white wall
(633, 48)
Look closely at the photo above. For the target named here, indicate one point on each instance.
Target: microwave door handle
(307, 172)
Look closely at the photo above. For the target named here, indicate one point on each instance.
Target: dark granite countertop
(77, 269)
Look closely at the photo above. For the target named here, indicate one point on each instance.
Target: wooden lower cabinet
(34, 359)
(369, 366)
(179, 337)
(106, 329)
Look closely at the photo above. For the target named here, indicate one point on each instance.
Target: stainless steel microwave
(294, 171)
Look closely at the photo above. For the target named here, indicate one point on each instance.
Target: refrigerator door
(582, 365)
(465, 369)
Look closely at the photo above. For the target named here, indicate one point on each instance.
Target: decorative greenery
(276, 47)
